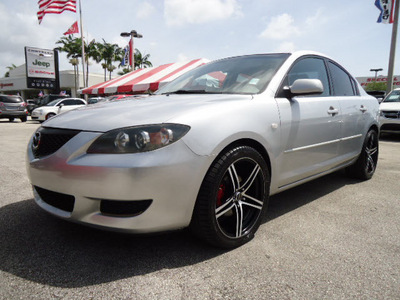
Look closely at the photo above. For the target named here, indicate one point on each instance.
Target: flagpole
(83, 46)
(393, 48)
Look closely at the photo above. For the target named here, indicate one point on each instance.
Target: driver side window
(311, 68)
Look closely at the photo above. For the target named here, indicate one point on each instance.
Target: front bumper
(169, 177)
(389, 124)
(37, 116)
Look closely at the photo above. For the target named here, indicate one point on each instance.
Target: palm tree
(12, 67)
(109, 53)
(73, 47)
(142, 61)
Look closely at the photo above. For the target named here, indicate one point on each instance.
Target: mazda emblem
(36, 140)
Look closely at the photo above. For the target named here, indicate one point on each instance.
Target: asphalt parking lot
(333, 238)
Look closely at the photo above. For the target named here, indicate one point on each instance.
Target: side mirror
(305, 87)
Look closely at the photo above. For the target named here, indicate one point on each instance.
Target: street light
(376, 72)
(132, 34)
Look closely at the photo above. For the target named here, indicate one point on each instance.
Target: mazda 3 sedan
(208, 149)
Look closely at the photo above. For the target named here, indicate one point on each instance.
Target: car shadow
(294, 198)
(44, 249)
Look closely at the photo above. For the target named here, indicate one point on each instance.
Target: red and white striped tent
(143, 80)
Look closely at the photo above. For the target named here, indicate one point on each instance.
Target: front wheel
(365, 166)
(232, 199)
(50, 115)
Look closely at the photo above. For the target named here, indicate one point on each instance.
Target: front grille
(391, 114)
(61, 201)
(119, 208)
(46, 141)
(390, 127)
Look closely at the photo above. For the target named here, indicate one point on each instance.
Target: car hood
(390, 106)
(105, 116)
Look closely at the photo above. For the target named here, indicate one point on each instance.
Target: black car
(12, 107)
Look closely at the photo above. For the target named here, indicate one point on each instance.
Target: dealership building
(16, 83)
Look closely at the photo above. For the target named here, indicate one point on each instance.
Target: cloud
(280, 28)
(145, 10)
(286, 47)
(179, 12)
(22, 29)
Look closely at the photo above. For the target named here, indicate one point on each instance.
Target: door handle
(333, 111)
(363, 109)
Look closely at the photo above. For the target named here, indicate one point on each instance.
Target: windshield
(236, 75)
(53, 103)
(394, 96)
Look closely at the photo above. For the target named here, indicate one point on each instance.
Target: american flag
(54, 7)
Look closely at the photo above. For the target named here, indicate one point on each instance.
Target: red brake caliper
(220, 194)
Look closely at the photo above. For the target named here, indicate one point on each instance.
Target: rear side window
(341, 81)
(11, 99)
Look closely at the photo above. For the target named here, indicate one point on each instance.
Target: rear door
(354, 112)
(310, 125)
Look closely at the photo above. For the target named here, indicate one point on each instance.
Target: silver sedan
(208, 149)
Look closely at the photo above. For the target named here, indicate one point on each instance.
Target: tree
(109, 53)
(142, 61)
(73, 47)
(376, 86)
(12, 67)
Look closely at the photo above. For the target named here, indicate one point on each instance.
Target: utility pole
(393, 48)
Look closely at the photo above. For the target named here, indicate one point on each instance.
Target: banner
(387, 11)
(73, 29)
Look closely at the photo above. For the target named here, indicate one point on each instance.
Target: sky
(181, 30)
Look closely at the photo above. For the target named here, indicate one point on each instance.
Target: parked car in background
(117, 97)
(48, 98)
(389, 108)
(56, 107)
(30, 105)
(380, 95)
(13, 107)
(208, 149)
(93, 100)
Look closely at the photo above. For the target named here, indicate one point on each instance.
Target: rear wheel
(11, 119)
(23, 119)
(233, 198)
(365, 166)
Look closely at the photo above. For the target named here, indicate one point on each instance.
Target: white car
(56, 107)
(389, 108)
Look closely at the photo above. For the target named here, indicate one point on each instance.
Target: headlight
(138, 139)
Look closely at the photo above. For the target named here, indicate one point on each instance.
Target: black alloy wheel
(365, 166)
(233, 198)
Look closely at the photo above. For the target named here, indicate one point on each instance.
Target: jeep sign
(40, 68)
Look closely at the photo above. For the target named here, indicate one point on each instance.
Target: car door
(70, 104)
(310, 125)
(353, 110)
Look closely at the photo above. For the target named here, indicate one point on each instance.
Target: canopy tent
(143, 80)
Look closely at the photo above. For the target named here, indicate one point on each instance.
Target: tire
(11, 119)
(365, 166)
(50, 115)
(23, 119)
(233, 198)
